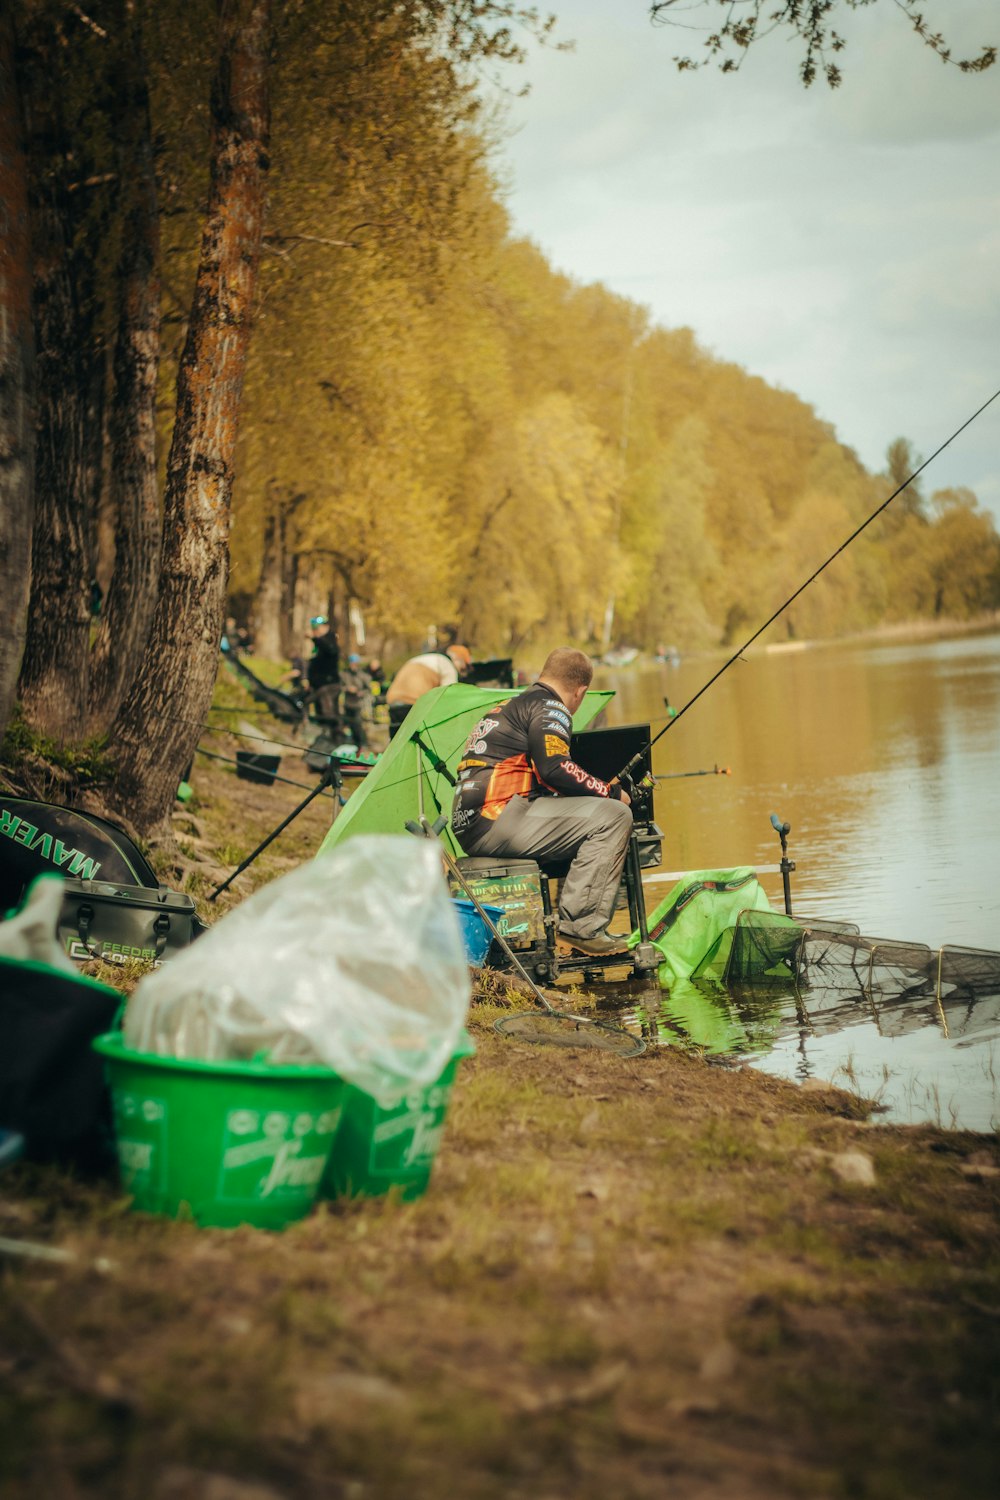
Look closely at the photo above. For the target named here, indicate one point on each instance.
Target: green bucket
(390, 1142)
(234, 1142)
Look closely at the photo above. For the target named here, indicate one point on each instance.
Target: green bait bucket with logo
(391, 1142)
(228, 1142)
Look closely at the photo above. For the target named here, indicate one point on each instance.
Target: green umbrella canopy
(408, 779)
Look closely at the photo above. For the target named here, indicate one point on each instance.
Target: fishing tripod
(331, 777)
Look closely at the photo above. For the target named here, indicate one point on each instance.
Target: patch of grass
(562, 1343)
(124, 976)
(86, 762)
(723, 1144)
(233, 854)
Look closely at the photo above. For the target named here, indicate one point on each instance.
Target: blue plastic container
(475, 934)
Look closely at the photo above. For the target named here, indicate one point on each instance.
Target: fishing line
(348, 765)
(269, 739)
(211, 755)
(220, 710)
(240, 734)
(812, 577)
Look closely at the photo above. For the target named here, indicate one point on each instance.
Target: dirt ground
(629, 1278)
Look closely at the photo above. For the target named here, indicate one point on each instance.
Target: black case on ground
(119, 923)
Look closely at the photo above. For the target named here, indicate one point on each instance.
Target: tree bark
(313, 590)
(134, 497)
(269, 596)
(291, 642)
(155, 733)
(16, 358)
(69, 381)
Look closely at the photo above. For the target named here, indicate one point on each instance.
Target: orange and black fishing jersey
(519, 749)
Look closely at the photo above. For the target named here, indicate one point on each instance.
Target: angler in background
(323, 673)
(355, 700)
(520, 796)
(377, 680)
(420, 675)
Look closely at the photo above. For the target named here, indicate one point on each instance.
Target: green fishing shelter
(415, 775)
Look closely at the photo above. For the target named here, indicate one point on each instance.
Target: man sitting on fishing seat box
(520, 796)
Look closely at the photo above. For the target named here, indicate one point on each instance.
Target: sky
(844, 244)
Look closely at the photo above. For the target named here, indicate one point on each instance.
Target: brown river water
(885, 760)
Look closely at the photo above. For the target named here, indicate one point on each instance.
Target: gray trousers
(593, 832)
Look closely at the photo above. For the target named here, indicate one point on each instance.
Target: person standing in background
(323, 672)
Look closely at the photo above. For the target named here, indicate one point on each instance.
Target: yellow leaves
(482, 441)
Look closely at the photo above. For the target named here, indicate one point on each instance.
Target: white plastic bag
(32, 933)
(354, 960)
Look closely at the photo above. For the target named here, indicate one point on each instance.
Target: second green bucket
(392, 1143)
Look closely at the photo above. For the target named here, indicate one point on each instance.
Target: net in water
(769, 946)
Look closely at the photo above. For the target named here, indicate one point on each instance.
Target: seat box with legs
(515, 886)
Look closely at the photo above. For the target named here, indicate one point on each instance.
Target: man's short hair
(568, 667)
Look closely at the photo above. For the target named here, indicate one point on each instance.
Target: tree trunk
(313, 590)
(134, 500)
(268, 599)
(291, 642)
(16, 429)
(155, 733)
(69, 376)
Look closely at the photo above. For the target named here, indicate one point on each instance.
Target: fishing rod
(640, 755)
(678, 775)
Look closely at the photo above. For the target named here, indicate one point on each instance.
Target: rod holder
(787, 865)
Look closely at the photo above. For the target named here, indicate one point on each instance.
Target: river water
(885, 760)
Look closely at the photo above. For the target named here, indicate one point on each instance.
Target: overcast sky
(843, 244)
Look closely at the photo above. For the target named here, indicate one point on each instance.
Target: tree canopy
(813, 24)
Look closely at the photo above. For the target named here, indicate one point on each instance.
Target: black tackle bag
(114, 907)
(44, 838)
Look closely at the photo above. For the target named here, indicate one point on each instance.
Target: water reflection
(886, 762)
(922, 1058)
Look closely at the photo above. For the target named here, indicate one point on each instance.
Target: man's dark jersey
(519, 749)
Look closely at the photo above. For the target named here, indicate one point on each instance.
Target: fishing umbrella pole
(636, 760)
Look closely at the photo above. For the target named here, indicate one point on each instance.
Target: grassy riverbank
(628, 1279)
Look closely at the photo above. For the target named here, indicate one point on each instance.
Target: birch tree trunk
(155, 733)
(16, 425)
(134, 498)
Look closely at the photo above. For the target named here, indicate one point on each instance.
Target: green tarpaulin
(408, 780)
